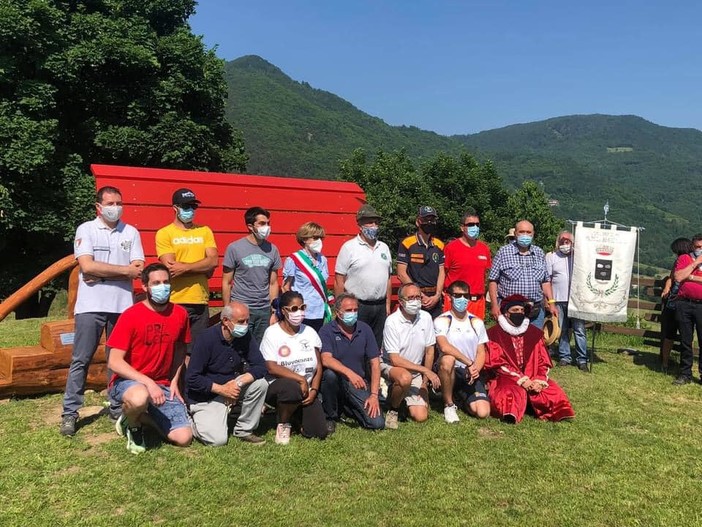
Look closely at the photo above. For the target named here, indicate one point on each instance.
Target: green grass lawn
(632, 456)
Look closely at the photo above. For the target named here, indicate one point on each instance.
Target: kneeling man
(408, 344)
(347, 345)
(461, 339)
(147, 349)
(226, 367)
(519, 364)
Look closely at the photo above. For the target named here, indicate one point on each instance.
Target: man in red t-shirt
(468, 259)
(688, 306)
(147, 350)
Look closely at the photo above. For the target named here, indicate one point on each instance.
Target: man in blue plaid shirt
(519, 268)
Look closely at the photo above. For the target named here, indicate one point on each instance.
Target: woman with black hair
(291, 350)
(669, 325)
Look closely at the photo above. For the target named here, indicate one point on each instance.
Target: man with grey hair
(519, 268)
(226, 368)
(348, 348)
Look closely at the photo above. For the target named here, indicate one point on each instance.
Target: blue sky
(466, 66)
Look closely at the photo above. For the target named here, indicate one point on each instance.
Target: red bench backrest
(147, 192)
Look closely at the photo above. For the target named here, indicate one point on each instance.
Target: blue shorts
(468, 393)
(169, 416)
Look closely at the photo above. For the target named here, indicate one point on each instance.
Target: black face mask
(429, 228)
(517, 318)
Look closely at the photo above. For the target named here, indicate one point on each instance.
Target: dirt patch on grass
(101, 438)
(488, 433)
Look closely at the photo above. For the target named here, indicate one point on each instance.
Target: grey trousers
(210, 418)
(88, 330)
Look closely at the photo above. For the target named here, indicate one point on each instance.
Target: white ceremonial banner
(602, 266)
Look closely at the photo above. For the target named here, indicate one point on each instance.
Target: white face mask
(263, 232)
(111, 213)
(316, 246)
(565, 248)
(412, 307)
(296, 318)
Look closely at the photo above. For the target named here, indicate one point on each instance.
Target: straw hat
(552, 330)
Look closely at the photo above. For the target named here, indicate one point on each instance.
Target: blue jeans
(88, 330)
(170, 415)
(337, 392)
(259, 320)
(578, 327)
(539, 320)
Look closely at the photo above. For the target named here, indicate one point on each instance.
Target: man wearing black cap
(190, 253)
(363, 268)
(420, 260)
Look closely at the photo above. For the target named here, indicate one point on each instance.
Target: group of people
(313, 355)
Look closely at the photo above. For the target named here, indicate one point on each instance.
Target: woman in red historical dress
(518, 365)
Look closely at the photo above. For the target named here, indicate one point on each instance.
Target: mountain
(649, 174)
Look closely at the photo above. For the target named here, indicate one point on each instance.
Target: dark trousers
(314, 323)
(338, 392)
(373, 314)
(199, 318)
(311, 416)
(689, 316)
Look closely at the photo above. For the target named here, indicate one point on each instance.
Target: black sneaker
(331, 427)
(682, 379)
(583, 367)
(68, 425)
(564, 362)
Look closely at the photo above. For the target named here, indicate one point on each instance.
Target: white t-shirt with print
(465, 335)
(294, 352)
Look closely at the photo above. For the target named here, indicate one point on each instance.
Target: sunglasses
(460, 295)
(188, 206)
(295, 309)
(472, 224)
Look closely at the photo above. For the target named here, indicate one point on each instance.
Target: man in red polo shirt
(468, 259)
(688, 306)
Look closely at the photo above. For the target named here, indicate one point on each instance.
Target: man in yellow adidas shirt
(190, 253)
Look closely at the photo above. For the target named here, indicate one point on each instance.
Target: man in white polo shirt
(110, 257)
(363, 268)
(408, 346)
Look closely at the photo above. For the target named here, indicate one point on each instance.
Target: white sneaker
(451, 414)
(282, 434)
(391, 420)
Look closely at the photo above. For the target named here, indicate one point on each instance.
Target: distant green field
(632, 456)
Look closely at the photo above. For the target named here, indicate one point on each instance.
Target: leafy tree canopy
(98, 81)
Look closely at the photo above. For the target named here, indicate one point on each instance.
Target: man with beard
(518, 365)
(147, 350)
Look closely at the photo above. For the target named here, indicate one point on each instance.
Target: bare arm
(402, 273)
(120, 367)
(683, 274)
(89, 267)
(548, 294)
(287, 284)
(449, 349)
(227, 280)
(494, 304)
(339, 283)
(388, 297)
(273, 286)
(282, 372)
(204, 266)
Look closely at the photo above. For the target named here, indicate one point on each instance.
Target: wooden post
(73, 291)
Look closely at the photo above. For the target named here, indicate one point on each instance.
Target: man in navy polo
(347, 346)
(226, 368)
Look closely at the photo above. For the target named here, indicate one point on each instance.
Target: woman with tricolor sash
(306, 272)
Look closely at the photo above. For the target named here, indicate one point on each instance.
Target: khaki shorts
(412, 398)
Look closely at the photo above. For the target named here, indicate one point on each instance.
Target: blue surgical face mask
(459, 304)
(697, 252)
(473, 232)
(370, 232)
(349, 318)
(186, 216)
(160, 293)
(239, 330)
(524, 240)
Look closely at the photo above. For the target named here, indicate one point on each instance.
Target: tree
(99, 81)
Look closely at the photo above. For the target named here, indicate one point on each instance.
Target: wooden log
(35, 284)
(73, 291)
(51, 381)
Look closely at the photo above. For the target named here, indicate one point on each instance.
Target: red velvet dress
(513, 360)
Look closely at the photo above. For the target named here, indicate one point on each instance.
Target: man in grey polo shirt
(110, 256)
(363, 268)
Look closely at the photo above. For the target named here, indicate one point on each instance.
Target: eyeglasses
(430, 222)
(295, 309)
(472, 224)
(461, 295)
(416, 297)
(188, 206)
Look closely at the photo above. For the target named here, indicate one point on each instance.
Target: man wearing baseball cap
(363, 268)
(189, 252)
(420, 260)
